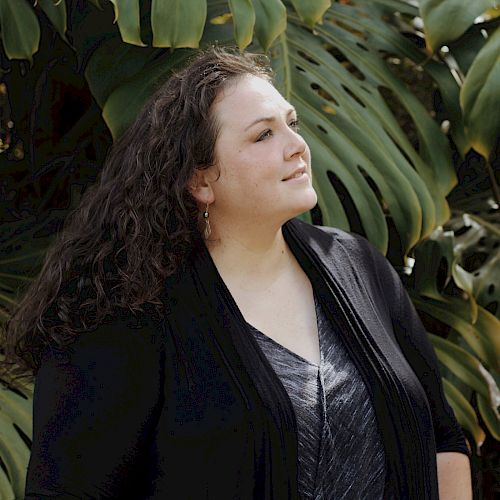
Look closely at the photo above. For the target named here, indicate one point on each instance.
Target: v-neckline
(289, 351)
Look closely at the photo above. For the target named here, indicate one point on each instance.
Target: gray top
(340, 451)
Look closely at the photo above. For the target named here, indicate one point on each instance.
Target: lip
(296, 172)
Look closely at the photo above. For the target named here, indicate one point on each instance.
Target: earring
(207, 230)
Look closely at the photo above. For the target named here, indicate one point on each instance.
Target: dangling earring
(207, 230)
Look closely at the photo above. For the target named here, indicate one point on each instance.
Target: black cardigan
(188, 407)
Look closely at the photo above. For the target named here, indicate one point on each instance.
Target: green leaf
(113, 63)
(270, 21)
(466, 367)
(391, 42)
(477, 242)
(132, 81)
(429, 257)
(124, 103)
(482, 336)
(15, 455)
(465, 281)
(127, 15)
(487, 279)
(17, 409)
(178, 23)
(465, 49)
(492, 228)
(353, 134)
(464, 412)
(19, 29)
(479, 97)
(311, 12)
(434, 163)
(57, 14)
(399, 6)
(490, 416)
(243, 21)
(6, 491)
(446, 20)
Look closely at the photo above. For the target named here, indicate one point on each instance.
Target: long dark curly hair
(134, 227)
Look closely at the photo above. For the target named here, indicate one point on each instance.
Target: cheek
(243, 174)
(308, 154)
(249, 171)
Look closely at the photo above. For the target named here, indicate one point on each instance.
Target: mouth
(299, 172)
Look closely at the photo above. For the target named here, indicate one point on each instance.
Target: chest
(286, 313)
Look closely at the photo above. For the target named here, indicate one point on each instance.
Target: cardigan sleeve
(415, 344)
(94, 414)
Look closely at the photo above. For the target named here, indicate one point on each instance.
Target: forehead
(247, 99)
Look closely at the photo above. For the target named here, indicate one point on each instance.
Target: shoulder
(318, 231)
(100, 398)
(350, 257)
(112, 374)
(121, 342)
(339, 244)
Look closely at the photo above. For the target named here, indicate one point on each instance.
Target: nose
(296, 146)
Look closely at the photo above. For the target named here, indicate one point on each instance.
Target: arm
(94, 413)
(420, 354)
(454, 476)
(453, 468)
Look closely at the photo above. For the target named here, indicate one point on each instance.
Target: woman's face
(263, 162)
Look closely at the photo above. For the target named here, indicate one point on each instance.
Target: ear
(200, 186)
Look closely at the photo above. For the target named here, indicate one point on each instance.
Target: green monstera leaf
(19, 29)
(178, 23)
(466, 367)
(481, 336)
(463, 259)
(270, 21)
(477, 253)
(464, 412)
(57, 13)
(243, 13)
(480, 95)
(459, 15)
(311, 12)
(471, 371)
(127, 16)
(354, 136)
(15, 438)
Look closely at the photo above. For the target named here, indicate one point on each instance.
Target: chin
(308, 202)
(312, 198)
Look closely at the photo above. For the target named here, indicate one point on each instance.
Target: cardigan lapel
(338, 279)
(211, 311)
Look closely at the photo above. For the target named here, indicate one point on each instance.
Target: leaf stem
(494, 185)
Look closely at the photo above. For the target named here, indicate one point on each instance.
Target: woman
(192, 339)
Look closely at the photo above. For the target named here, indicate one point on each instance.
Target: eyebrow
(269, 118)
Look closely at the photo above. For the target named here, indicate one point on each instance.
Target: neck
(252, 258)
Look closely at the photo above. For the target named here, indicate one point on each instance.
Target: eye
(294, 124)
(267, 133)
